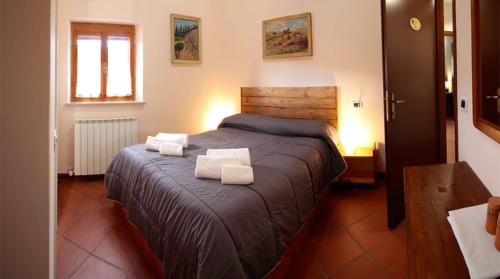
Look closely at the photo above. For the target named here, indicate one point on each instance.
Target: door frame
(53, 127)
(390, 223)
(455, 77)
(442, 76)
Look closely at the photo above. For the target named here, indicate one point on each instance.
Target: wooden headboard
(319, 103)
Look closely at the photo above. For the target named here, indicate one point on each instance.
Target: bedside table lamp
(352, 132)
(350, 136)
(360, 160)
(217, 112)
(349, 147)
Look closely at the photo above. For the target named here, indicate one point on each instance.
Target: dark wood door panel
(410, 57)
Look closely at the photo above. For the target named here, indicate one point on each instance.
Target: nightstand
(360, 166)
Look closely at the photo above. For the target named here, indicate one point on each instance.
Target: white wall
(26, 144)
(347, 53)
(480, 151)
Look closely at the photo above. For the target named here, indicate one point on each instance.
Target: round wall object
(415, 24)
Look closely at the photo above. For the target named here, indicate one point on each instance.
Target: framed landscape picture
(186, 39)
(289, 36)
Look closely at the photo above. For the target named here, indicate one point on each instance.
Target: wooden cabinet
(360, 166)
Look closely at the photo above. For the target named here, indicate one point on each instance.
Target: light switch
(464, 104)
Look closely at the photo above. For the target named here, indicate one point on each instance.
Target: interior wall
(26, 240)
(480, 151)
(181, 98)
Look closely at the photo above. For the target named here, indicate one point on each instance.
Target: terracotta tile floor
(92, 240)
(351, 239)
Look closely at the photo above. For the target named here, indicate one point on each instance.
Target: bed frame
(318, 103)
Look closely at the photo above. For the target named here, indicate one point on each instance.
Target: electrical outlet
(357, 104)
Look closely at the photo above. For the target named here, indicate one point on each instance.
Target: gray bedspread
(199, 228)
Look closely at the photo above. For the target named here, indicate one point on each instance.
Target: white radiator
(98, 141)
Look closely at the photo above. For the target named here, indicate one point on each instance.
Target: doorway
(450, 84)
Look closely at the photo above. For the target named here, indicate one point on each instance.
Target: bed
(198, 228)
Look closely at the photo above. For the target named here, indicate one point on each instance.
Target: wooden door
(411, 93)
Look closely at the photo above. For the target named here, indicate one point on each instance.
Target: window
(102, 62)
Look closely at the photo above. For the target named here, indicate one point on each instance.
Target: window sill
(106, 103)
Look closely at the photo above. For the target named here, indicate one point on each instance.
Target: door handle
(495, 97)
(390, 105)
(386, 102)
(395, 102)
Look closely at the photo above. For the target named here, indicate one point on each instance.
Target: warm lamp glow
(353, 132)
(218, 111)
(349, 147)
(350, 136)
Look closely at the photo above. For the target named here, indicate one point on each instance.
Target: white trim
(100, 103)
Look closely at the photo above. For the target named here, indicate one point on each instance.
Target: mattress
(200, 228)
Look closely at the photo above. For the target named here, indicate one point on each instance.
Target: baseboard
(65, 176)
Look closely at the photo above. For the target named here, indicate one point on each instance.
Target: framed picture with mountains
(186, 39)
(289, 36)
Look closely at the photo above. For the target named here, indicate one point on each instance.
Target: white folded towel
(152, 144)
(478, 246)
(242, 153)
(211, 167)
(233, 174)
(174, 138)
(171, 149)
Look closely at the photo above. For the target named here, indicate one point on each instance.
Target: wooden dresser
(430, 192)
